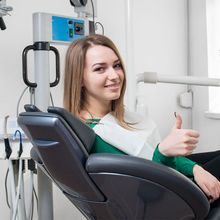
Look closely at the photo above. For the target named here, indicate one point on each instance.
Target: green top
(182, 164)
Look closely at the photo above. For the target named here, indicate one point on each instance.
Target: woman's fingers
(191, 133)
(192, 140)
(214, 189)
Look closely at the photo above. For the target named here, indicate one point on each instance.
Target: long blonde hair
(74, 69)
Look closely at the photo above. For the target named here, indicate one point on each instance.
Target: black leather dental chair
(107, 186)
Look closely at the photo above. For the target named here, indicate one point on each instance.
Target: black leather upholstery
(108, 186)
(87, 136)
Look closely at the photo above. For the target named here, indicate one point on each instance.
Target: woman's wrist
(196, 169)
(161, 150)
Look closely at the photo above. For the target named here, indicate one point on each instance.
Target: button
(71, 33)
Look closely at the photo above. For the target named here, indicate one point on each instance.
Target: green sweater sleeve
(181, 164)
(162, 159)
(100, 146)
(185, 166)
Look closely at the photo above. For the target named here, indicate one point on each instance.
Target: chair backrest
(56, 144)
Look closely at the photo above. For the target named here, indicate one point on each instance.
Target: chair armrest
(151, 171)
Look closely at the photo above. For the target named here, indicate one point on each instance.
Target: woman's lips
(113, 86)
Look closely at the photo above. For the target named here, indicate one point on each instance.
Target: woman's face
(103, 75)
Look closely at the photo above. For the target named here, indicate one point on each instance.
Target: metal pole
(131, 83)
(42, 78)
(42, 97)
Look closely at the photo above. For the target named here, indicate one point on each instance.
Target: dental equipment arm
(4, 9)
(153, 77)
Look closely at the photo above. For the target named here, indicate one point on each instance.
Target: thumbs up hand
(180, 142)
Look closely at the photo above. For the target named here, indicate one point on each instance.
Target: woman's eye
(117, 66)
(99, 69)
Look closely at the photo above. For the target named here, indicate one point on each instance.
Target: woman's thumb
(178, 122)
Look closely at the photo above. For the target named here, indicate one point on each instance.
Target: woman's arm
(181, 164)
(182, 142)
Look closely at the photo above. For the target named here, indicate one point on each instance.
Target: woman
(95, 84)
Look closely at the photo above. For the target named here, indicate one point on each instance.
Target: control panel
(59, 29)
(67, 29)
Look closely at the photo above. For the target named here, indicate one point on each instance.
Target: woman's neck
(95, 109)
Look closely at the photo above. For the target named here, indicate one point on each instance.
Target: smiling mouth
(113, 86)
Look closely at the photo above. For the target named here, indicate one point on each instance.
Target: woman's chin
(114, 97)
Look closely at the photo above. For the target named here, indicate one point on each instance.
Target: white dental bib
(140, 141)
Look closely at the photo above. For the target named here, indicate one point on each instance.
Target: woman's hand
(207, 182)
(180, 142)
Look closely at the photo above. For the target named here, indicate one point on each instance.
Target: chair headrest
(31, 108)
(83, 131)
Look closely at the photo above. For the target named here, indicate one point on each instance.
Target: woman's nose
(113, 74)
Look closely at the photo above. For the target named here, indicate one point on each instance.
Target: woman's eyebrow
(101, 64)
(117, 61)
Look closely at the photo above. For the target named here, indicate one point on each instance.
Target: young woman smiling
(94, 89)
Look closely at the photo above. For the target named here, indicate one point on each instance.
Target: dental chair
(107, 186)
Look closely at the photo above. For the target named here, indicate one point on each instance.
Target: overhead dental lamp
(4, 9)
(85, 8)
(78, 3)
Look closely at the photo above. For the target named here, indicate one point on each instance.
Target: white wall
(160, 44)
(209, 137)
(160, 33)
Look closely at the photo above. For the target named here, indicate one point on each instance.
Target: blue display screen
(67, 29)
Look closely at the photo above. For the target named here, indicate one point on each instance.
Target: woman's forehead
(99, 54)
